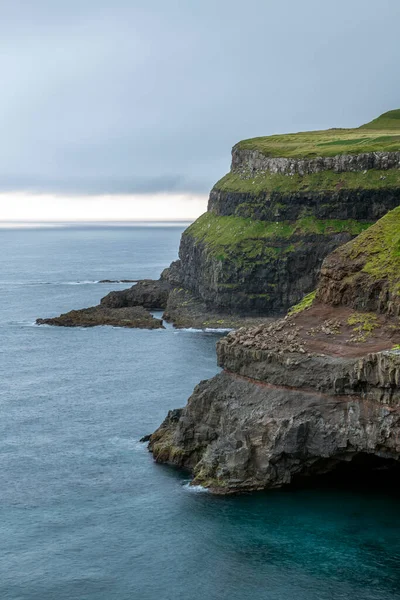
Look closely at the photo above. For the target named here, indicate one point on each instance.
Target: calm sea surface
(85, 514)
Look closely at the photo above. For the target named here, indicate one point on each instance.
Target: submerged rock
(133, 317)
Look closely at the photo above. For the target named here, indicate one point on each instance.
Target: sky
(128, 109)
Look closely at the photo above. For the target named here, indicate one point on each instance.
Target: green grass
(389, 120)
(364, 324)
(381, 134)
(305, 303)
(253, 237)
(315, 182)
(380, 246)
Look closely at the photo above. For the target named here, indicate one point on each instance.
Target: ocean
(85, 513)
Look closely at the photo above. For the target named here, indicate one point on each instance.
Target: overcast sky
(129, 109)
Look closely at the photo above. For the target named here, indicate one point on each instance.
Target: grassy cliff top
(379, 248)
(381, 134)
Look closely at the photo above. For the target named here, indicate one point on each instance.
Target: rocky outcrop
(185, 310)
(122, 308)
(305, 394)
(238, 435)
(132, 317)
(149, 293)
(254, 276)
(363, 205)
(288, 202)
(365, 274)
(253, 160)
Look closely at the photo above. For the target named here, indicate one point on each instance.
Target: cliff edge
(287, 202)
(309, 393)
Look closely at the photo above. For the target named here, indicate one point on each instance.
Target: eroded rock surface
(130, 317)
(237, 434)
(306, 393)
(149, 293)
(254, 160)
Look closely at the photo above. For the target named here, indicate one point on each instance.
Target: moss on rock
(305, 303)
(253, 236)
(324, 181)
(365, 273)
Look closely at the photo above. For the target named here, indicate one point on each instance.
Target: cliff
(307, 394)
(287, 202)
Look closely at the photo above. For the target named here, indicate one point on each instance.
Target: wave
(196, 489)
(83, 282)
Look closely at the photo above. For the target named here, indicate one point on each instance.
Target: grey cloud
(128, 96)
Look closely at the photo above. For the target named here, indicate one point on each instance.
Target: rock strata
(131, 317)
(303, 395)
(149, 293)
(253, 160)
(240, 435)
(288, 202)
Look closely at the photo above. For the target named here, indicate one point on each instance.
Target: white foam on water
(129, 444)
(83, 282)
(205, 330)
(195, 489)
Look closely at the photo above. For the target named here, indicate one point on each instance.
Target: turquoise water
(85, 514)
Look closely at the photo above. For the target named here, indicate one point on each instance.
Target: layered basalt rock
(286, 204)
(342, 204)
(305, 394)
(282, 408)
(253, 160)
(240, 435)
(254, 275)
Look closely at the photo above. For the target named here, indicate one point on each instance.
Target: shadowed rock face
(365, 274)
(254, 160)
(148, 293)
(306, 393)
(282, 232)
(238, 434)
(359, 204)
(265, 284)
(101, 315)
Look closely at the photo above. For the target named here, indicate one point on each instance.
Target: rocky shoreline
(306, 394)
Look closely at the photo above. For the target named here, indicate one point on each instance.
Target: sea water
(85, 513)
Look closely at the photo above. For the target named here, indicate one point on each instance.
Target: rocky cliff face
(244, 160)
(260, 252)
(240, 435)
(303, 395)
(286, 204)
(255, 276)
(365, 274)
